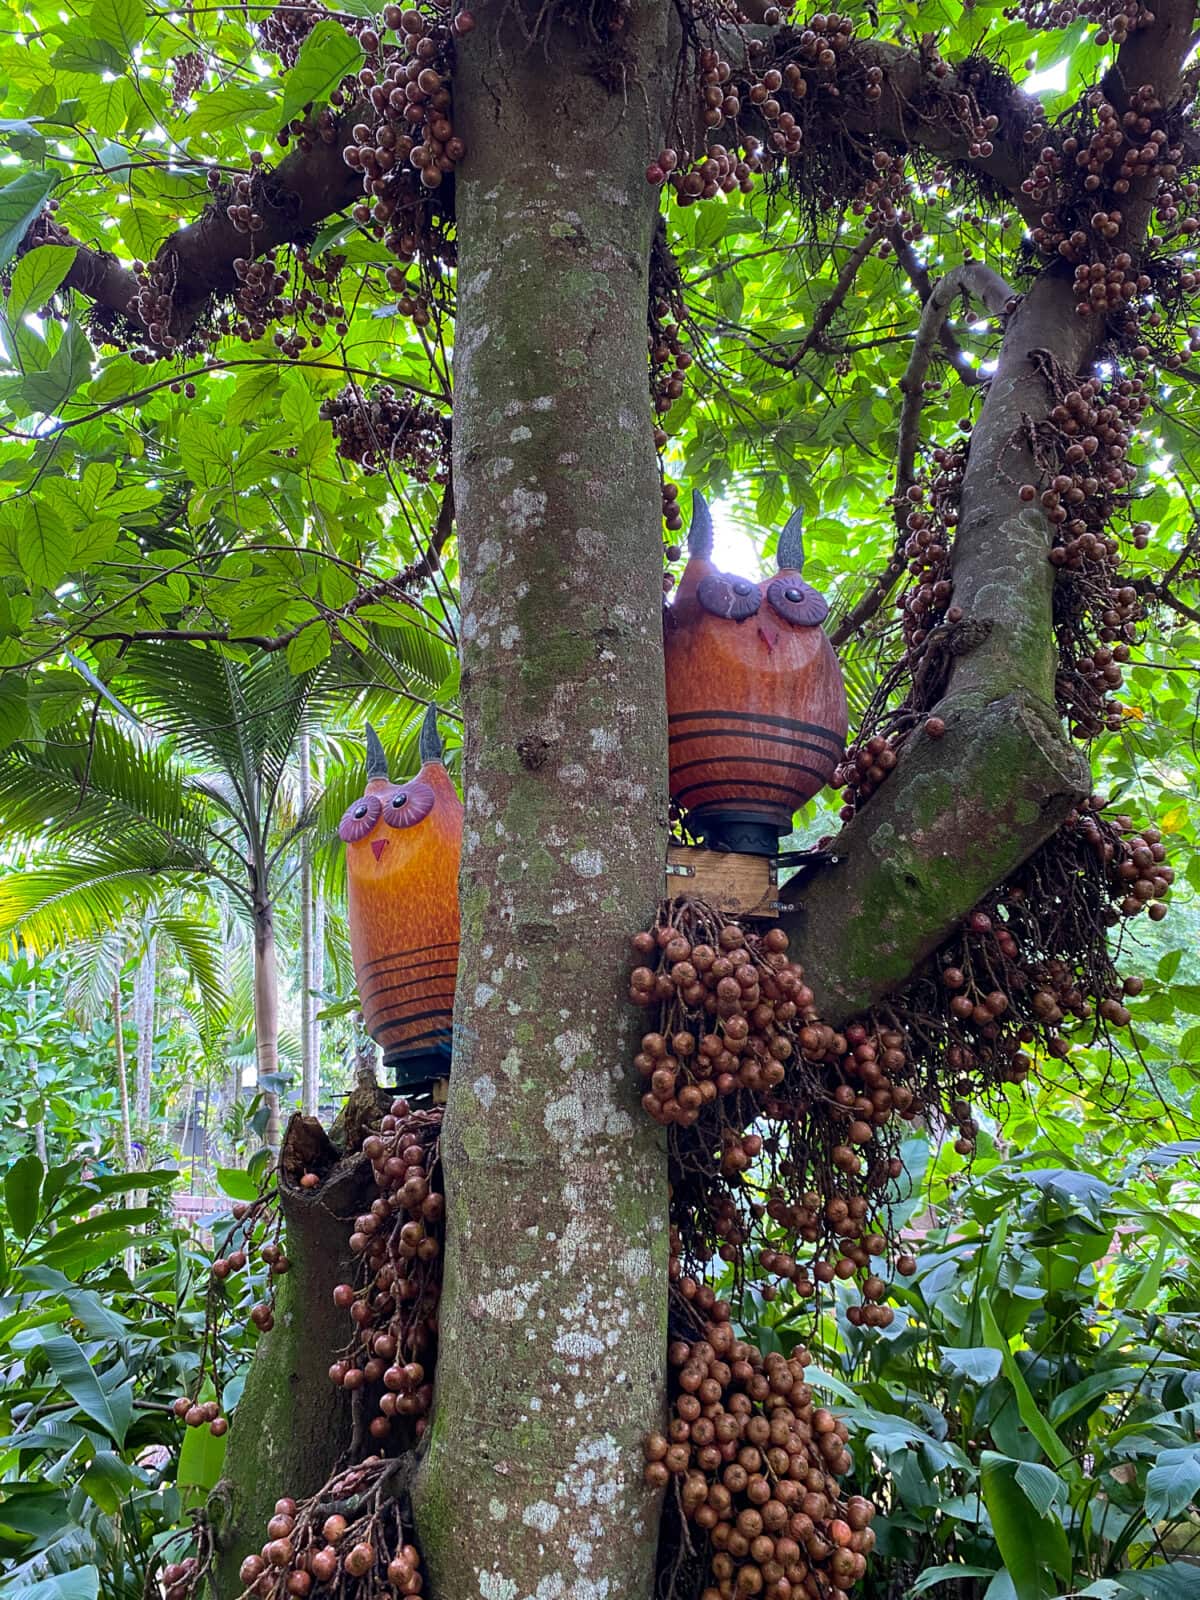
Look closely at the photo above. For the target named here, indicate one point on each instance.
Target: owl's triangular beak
(378, 846)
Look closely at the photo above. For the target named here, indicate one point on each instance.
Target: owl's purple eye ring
(409, 805)
(798, 603)
(358, 821)
(722, 596)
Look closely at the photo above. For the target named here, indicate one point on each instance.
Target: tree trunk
(266, 1014)
(318, 984)
(118, 1018)
(291, 1425)
(143, 1006)
(123, 1091)
(308, 1064)
(553, 1321)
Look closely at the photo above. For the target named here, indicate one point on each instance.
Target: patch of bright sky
(733, 548)
(1052, 77)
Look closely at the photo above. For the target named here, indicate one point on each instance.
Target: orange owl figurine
(756, 706)
(403, 843)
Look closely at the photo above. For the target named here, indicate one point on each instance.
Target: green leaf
(1021, 1533)
(70, 365)
(951, 1574)
(120, 23)
(83, 1583)
(1172, 1483)
(88, 54)
(74, 1371)
(979, 1362)
(46, 545)
(1033, 1419)
(108, 1480)
(328, 55)
(201, 1457)
(308, 649)
(21, 202)
(238, 1185)
(36, 276)
(22, 1192)
(1174, 1580)
(1043, 1488)
(819, 1379)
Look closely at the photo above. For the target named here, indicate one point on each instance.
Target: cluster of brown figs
(794, 1144)
(390, 427)
(757, 1460)
(313, 1551)
(393, 1310)
(238, 1247)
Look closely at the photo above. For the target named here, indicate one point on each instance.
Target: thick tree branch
(916, 108)
(301, 192)
(961, 812)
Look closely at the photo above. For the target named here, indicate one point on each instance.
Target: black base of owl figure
(735, 832)
(417, 1076)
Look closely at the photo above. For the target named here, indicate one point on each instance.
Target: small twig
(828, 308)
(870, 603)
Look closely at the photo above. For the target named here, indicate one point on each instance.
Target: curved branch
(308, 186)
(978, 282)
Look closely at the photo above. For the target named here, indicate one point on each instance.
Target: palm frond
(53, 905)
(200, 954)
(95, 966)
(103, 785)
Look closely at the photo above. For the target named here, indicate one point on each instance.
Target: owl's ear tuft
(377, 766)
(429, 746)
(700, 534)
(790, 555)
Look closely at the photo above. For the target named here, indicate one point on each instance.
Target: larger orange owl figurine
(403, 844)
(756, 706)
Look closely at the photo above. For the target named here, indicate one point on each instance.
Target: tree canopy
(358, 362)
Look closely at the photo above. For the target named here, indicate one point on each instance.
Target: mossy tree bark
(291, 1424)
(553, 1321)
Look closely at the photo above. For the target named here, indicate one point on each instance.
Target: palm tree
(198, 787)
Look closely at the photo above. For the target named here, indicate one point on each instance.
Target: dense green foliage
(196, 569)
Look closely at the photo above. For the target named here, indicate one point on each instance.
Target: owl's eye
(360, 819)
(408, 806)
(736, 598)
(797, 602)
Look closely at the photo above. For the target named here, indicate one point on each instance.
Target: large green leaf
(201, 1458)
(120, 23)
(328, 55)
(74, 1371)
(1031, 1415)
(81, 1584)
(36, 276)
(1032, 1546)
(21, 202)
(1172, 1483)
(22, 1193)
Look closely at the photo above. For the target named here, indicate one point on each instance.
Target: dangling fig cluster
(394, 1311)
(256, 1228)
(390, 428)
(348, 1540)
(756, 1462)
